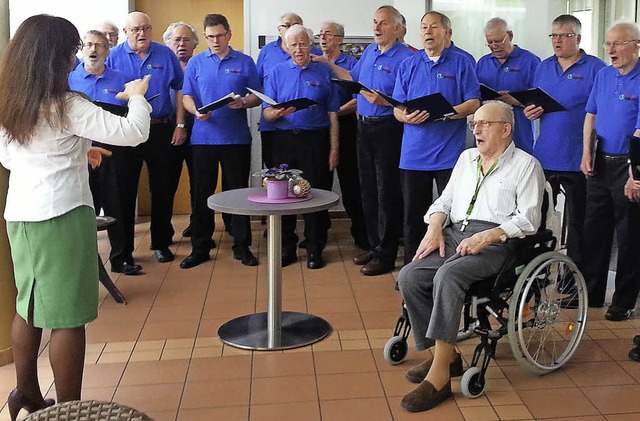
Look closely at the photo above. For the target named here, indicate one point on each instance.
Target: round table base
(250, 331)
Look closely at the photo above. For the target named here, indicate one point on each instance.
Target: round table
(274, 329)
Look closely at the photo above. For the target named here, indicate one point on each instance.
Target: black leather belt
(300, 131)
(159, 120)
(615, 158)
(369, 120)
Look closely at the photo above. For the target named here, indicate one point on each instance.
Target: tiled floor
(160, 353)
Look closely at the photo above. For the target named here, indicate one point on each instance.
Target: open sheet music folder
(351, 86)
(487, 93)
(218, 103)
(298, 103)
(539, 98)
(436, 104)
(634, 156)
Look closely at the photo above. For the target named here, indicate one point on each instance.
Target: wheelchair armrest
(542, 238)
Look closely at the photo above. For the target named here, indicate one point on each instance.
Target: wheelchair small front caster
(472, 383)
(395, 350)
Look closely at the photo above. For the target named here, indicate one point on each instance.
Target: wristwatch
(503, 238)
(180, 125)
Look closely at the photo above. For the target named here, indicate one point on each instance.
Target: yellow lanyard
(479, 181)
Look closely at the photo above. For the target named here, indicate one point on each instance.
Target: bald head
(493, 128)
(138, 31)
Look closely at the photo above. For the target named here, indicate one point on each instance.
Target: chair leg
(105, 280)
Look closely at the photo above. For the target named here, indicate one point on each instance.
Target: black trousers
(349, 177)
(306, 150)
(128, 161)
(266, 143)
(574, 184)
(179, 155)
(103, 182)
(379, 145)
(417, 194)
(235, 162)
(608, 208)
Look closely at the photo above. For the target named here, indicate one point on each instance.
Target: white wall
(82, 13)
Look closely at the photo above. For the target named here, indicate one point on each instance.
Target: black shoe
(636, 340)
(163, 255)
(245, 255)
(288, 258)
(377, 267)
(634, 354)
(314, 261)
(187, 231)
(193, 260)
(618, 314)
(126, 269)
(303, 244)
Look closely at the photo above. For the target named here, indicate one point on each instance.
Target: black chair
(102, 223)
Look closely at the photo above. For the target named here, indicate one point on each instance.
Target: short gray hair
(631, 28)
(396, 14)
(496, 25)
(295, 16)
(98, 34)
(505, 111)
(338, 27)
(568, 20)
(167, 34)
(446, 22)
(296, 30)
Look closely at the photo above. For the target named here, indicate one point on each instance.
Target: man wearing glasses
(136, 57)
(508, 68)
(102, 84)
(612, 111)
(568, 75)
(305, 139)
(110, 31)
(430, 148)
(495, 193)
(330, 38)
(220, 138)
(271, 54)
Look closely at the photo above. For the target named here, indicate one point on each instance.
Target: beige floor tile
(481, 413)
(283, 390)
(349, 386)
(512, 412)
(334, 362)
(215, 393)
(371, 409)
(155, 372)
(568, 402)
(233, 413)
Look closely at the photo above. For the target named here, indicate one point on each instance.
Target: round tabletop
(237, 202)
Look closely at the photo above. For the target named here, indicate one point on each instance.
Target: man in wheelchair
(495, 193)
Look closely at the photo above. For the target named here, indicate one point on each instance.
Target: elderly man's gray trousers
(434, 288)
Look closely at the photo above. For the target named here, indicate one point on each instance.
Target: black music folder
(218, 103)
(436, 104)
(120, 110)
(488, 94)
(594, 139)
(634, 156)
(539, 98)
(298, 103)
(351, 86)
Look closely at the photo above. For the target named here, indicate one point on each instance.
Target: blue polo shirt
(163, 66)
(559, 143)
(270, 55)
(616, 96)
(101, 88)
(346, 62)
(377, 70)
(287, 81)
(206, 79)
(515, 74)
(435, 145)
(465, 53)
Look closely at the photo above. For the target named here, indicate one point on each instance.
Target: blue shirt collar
(391, 51)
(232, 54)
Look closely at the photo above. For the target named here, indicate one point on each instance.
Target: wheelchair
(538, 301)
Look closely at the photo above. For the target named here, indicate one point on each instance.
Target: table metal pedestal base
(250, 331)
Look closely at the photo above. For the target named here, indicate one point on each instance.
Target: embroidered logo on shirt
(154, 66)
(575, 76)
(446, 76)
(511, 69)
(110, 91)
(384, 68)
(230, 70)
(627, 97)
(313, 83)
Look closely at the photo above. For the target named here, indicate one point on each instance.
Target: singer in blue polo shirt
(136, 57)
(431, 149)
(306, 139)
(612, 110)
(508, 68)
(220, 137)
(569, 75)
(102, 84)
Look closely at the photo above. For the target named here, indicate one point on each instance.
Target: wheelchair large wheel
(395, 350)
(547, 313)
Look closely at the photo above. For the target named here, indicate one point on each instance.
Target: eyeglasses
(497, 43)
(98, 45)
(300, 46)
(138, 29)
(181, 39)
(482, 124)
(562, 36)
(617, 44)
(213, 37)
(324, 35)
(284, 26)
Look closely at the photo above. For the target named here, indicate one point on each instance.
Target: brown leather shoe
(376, 267)
(419, 372)
(363, 259)
(425, 397)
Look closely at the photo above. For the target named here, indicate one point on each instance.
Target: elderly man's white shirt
(510, 196)
(49, 174)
